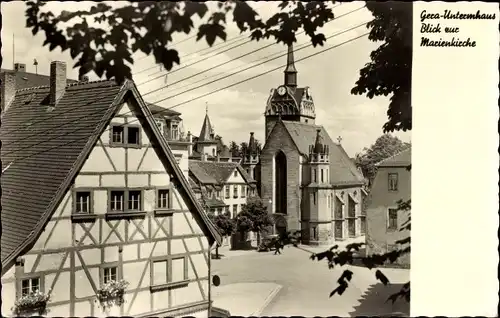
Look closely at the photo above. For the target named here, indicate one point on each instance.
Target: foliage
(384, 147)
(104, 38)
(111, 293)
(225, 224)
(35, 302)
(389, 71)
(253, 216)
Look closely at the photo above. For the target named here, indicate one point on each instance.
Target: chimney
(8, 89)
(20, 67)
(57, 81)
(190, 147)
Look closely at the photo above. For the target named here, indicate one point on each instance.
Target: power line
(179, 104)
(241, 56)
(163, 87)
(241, 44)
(219, 79)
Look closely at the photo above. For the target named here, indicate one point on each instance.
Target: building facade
(385, 223)
(94, 195)
(223, 187)
(308, 181)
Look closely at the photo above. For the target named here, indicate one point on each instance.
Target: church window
(314, 233)
(322, 176)
(314, 198)
(314, 176)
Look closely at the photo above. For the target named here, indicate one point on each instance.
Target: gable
(36, 183)
(279, 138)
(235, 176)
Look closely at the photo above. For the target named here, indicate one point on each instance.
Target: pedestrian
(277, 246)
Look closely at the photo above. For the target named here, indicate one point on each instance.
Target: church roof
(342, 169)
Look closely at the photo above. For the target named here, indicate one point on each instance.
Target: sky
(238, 110)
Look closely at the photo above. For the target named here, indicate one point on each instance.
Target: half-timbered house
(93, 195)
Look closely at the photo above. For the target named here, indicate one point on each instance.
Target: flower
(112, 293)
(35, 301)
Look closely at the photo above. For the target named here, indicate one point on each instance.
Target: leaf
(340, 289)
(211, 32)
(347, 274)
(318, 39)
(380, 276)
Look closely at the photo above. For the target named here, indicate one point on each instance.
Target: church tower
(319, 224)
(207, 144)
(289, 101)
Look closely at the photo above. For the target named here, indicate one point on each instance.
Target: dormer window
(159, 124)
(174, 131)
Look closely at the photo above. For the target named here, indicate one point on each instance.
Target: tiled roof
(401, 159)
(156, 109)
(46, 148)
(213, 172)
(342, 169)
(29, 80)
(215, 203)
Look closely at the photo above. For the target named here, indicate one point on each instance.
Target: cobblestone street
(306, 285)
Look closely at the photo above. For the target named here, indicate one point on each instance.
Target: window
(171, 271)
(82, 204)
(315, 178)
(109, 274)
(235, 191)
(243, 191)
(174, 132)
(117, 134)
(228, 192)
(322, 176)
(314, 198)
(159, 123)
(393, 182)
(125, 135)
(116, 202)
(393, 220)
(338, 209)
(134, 200)
(235, 209)
(30, 285)
(218, 194)
(351, 212)
(209, 193)
(163, 199)
(133, 137)
(235, 173)
(314, 233)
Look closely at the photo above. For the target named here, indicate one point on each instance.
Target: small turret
(319, 152)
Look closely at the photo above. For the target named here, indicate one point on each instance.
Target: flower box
(112, 293)
(33, 304)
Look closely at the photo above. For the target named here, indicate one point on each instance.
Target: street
(306, 285)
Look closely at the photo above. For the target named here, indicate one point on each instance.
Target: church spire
(207, 130)
(290, 70)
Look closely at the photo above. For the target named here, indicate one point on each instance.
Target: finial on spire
(206, 108)
(290, 70)
(339, 139)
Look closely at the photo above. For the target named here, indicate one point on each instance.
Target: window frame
(243, 191)
(170, 196)
(389, 188)
(139, 136)
(389, 228)
(227, 189)
(125, 143)
(77, 191)
(169, 283)
(30, 277)
(235, 192)
(105, 266)
(126, 212)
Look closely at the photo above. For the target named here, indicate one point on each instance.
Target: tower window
(322, 176)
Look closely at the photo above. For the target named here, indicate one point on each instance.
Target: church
(307, 180)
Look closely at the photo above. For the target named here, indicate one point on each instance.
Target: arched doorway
(280, 187)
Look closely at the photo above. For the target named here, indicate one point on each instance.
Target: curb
(267, 301)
